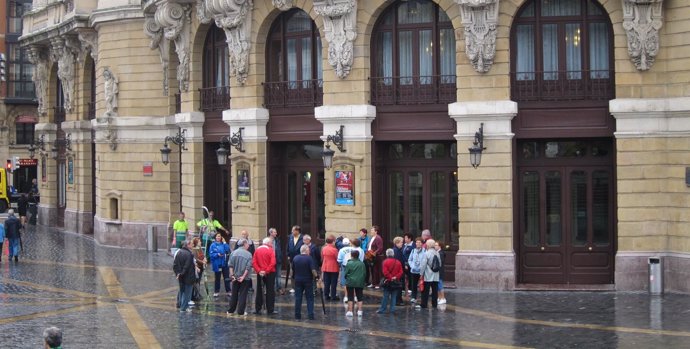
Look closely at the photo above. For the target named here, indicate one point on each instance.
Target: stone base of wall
(485, 270)
(47, 215)
(129, 234)
(80, 222)
(632, 271)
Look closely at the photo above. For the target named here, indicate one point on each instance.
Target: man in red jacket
(264, 263)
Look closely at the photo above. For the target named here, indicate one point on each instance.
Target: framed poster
(70, 170)
(344, 188)
(243, 185)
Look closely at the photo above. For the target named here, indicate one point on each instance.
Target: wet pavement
(115, 298)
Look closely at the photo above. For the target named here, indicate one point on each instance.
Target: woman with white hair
(392, 276)
(430, 268)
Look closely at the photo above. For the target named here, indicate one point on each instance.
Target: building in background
(580, 110)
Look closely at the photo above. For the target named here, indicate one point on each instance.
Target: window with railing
(413, 55)
(19, 68)
(215, 95)
(562, 51)
(294, 69)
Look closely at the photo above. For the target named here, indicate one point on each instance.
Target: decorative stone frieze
(282, 5)
(171, 22)
(63, 52)
(235, 19)
(89, 41)
(642, 20)
(480, 18)
(38, 56)
(340, 27)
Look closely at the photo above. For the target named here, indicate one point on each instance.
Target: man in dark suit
(273, 234)
(294, 243)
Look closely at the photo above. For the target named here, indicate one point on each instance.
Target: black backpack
(436, 264)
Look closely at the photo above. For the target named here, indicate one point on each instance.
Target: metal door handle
(542, 248)
(590, 248)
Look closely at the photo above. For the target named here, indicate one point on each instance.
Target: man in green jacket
(355, 273)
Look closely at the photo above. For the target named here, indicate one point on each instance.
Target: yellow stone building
(579, 110)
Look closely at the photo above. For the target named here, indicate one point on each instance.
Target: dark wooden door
(565, 224)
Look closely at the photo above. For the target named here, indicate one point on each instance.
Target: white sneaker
(409, 291)
(442, 301)
(348, 314)
(191, 303)
(215, 295)
(413, 300)
(292, 290)
(370, 285)
(359, 313)
(417, 307)
(345, 300)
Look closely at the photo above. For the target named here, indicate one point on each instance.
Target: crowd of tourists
(409, 273)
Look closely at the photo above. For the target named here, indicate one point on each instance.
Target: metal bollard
(151, 239)
(656, 275)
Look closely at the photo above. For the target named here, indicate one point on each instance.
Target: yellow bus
(4, 191)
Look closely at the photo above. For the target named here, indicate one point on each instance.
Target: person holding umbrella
(264, 263)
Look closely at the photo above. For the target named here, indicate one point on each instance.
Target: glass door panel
(601, 215)
(292, 199)
(305, 201)
(439, 204)
(578, 207)
(320, 207)
(530, 208)
(415, 209)
(553, 208)
(396, 204)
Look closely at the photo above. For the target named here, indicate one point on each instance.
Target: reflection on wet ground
(110, 297)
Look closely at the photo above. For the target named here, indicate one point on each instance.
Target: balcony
(214, 98)
(584, 85)
(49, 14)
(298, 93)
(413, 90)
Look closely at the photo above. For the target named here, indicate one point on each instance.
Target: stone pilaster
(486, 258)
(78, 213)
(47, 176)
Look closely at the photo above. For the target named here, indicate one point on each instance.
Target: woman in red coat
(330, 269)
(392, 274)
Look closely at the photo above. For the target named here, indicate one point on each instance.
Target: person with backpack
(430, 269)
(414, 262)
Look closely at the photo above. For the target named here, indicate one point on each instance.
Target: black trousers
(415, 285)
(433, 286)
(238, 300)
(268, 282)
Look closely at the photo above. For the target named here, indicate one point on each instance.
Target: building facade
(577, 113)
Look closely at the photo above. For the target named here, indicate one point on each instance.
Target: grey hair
(185, 243)
(390, 253)
(241, 242)
(430, 244)
(304, 249)
(266, 241)
(10, 212)
(53, 337)
(426, 232)
(271, 230)
(306, 236)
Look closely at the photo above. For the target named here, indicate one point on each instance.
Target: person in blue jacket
(219, 251)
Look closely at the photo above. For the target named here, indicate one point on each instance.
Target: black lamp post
(231, 141)
(178, 139)
(477, 147)
(327, 154)
(38, 144)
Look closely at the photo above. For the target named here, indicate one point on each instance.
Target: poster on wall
(243, 186)
(44, 170)
(70, 171)
(344, 188)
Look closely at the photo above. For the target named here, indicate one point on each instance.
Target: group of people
(411, 267)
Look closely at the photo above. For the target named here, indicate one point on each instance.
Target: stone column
(249, 215)
(192, 164)
(486, 258)
(344, 219)
(47, 176)
(78, 215)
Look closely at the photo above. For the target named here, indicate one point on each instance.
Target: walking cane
(319, 285)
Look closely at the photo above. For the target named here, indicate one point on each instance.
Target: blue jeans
(14, 247)
(390, 295)
(279, 268)
(307, 288)
(184, 296)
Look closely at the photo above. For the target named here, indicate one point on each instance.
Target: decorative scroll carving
(642, 20)
(38, 56)
(89, 40)
(171, 22)
(340, 27)
(282, 5)
(480, 19)
(234, 16)
(111, 91)
(62, 52)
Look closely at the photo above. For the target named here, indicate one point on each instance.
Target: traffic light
(3, 64)
(8, 166)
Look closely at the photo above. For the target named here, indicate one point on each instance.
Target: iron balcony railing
(298, 93)
(594, 85)
(407, 90)
(214, 98)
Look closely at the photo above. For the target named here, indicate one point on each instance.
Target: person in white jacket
(414, 262)
(430, 277)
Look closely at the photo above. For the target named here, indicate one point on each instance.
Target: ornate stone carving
(171, 23)
(110, 89)
(62, 52)
(480, 19)
(234, 16)
(89, 41)
(38, 56)
(282, 5)
(340, 27)
(642, 20)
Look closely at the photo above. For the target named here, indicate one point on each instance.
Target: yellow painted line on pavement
(321, 326)
(137, 327)
(156, 294)
(33, 316)
(89, 266)
(49, 288)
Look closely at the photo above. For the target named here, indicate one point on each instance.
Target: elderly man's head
(426, 234)
(52, 336)
(304, 249)
(272, 232)
(10, 212)
(243, 243)
(267, 241)
(245, 234)
(306, 239)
